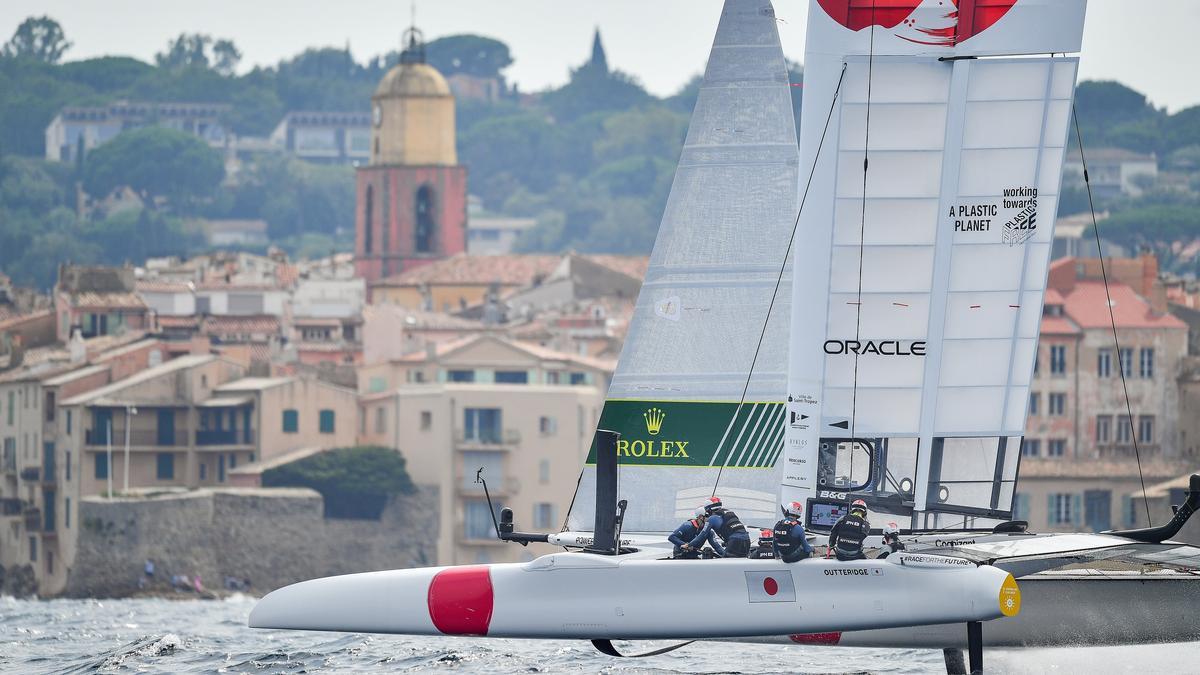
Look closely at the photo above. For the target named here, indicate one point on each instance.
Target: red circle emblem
(770, 585)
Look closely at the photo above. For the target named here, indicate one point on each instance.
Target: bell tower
(412, 196)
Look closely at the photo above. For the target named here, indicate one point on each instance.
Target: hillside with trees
(591, 161)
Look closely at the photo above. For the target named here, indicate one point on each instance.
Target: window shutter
(1125, 502)
(1051, 514)
(1077, 509)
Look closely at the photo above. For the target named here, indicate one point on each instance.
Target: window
(477, 520)
(482, 425)
(1146, 430)
(544, 471)
(1124, 429)
(377, 384)
(380, 420)
(1021, 507)
(1103, 428)
(1031, 447)
(1033, 403)
(512, 377)
(101, 466)
(11, 405)
(1057, 404)
(578, 378)
(1127, 361)
(67, 466)
(492, 464)
(326, 421)
(547, 425)
(460, 376)
(203, 471)
(543, 516)
(233, 460)
(68, 422)
(1056, 447)
(33, 549)
(49, 407)
(165, 466)
(1062, 508)
(1131, 510)
(1058, 359)
(1146, 362)
(1104, 363)
(426, 220)
(426, 420)
(291, 421)
(67, 512)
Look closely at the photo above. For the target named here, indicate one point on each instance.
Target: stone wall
(272, 536)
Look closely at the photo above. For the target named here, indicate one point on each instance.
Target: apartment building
(524, 414)
(1077, 403)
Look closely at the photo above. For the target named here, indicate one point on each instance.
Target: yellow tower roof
(411, 80)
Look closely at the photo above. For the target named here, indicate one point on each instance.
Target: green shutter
(1051, 514)
(326, 421)
(1125, 502)
(1077, 509)
(291, 421)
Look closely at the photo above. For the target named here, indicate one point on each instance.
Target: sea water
(197, 636)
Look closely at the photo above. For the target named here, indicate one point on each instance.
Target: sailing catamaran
(853, 316)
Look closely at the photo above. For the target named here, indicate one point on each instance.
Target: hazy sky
(1149, 45)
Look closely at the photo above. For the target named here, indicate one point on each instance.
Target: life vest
(851, 532)
(784, 541)
(730, 524)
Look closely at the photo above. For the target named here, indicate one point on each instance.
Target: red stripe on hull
(460, 600)
(816, 638)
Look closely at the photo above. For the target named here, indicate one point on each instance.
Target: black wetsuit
(847, 537)
(764, 549)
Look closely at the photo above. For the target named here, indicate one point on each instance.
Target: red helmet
(793, 509)
(766, 534)
(858, 505)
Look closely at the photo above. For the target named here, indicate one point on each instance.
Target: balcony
(31, 474)
(224, 437)
(138, 437)
(487, 437)
(10, 506)
(33, 520)
(8, 463)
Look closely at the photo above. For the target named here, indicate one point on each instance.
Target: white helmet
(699, 513)
(792, 509)
(891, 529)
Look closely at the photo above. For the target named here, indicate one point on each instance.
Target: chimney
(76, 347)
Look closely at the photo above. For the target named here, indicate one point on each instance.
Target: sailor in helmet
(891, 540)
(848, 534)
(790, 543)
(729, 529)
(765, 548)
(689, 537)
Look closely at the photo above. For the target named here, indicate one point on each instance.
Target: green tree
(189, 49)
(356, 482)
(468, 54)
(226, 57)
(155, 162)
(38, 38)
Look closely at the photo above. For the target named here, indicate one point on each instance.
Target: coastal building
(412, 195)
(522, 413)
(99, 301)
(77, 129)
(325, 137)
(1112, 171)
(1077, 405)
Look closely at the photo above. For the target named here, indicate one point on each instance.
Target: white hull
(579, 595)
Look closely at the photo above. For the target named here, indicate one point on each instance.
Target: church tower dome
(412, 112)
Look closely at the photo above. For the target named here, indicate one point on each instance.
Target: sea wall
(271, 536)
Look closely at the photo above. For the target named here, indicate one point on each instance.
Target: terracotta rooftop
(506, 270)
(242, 324)
(1058, 325)
(161, 286)
(187, 321)
(1087, 305)
(94, 300)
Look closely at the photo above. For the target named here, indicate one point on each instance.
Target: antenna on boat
(1111, 316)
(782, 266)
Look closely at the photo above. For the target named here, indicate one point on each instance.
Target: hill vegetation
(591, 161)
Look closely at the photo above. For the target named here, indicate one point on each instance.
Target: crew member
(891, 540)
(729, 529)
(848, 534)
(766, 545)
(790, 543)
(689, 537)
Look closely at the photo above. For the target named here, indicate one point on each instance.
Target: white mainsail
(695, 331)
(927, 236)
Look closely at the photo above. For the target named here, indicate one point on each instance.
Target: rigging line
(1112, 317)
(782, 266)
(862, 240)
